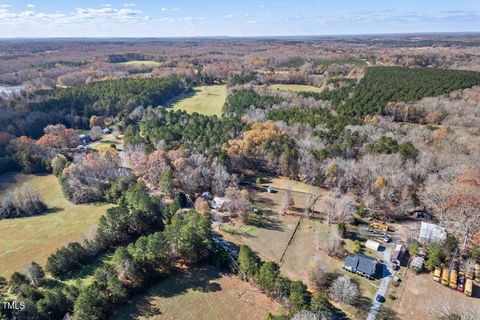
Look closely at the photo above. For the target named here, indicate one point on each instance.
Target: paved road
(386, 276)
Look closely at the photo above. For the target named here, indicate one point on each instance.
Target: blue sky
(170, 18)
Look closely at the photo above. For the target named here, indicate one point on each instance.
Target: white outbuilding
(372, 245)
(430, 232)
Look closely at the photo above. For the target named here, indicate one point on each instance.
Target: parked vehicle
(469, 287)
(437, 274)
(453, 279)
(380, 226)
(380, 298)
(445, 275)
(461, 281)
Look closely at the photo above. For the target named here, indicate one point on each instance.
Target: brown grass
(202, 293)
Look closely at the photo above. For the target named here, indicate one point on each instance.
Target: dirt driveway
(419, 293)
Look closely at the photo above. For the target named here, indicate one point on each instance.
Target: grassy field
(139, 63)
(295, 87)
(206, 100)
(270, 233)
(200, 294)
(34, 238)
(106, 141)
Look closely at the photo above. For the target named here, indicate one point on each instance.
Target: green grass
(139, 63)
(206, 100)
(23, 240)
(295, 87)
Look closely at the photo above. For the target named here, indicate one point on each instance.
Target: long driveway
(387, 274)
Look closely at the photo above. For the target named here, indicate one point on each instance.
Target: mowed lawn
(295, 87)
(206, 100)
(35, 238)
(200, 294)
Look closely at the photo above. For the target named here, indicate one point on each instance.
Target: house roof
(432, 232)
(362, 263)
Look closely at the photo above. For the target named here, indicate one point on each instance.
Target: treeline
(336, 96)
(111, 97)
(381, 85)
(239, 79)
(125, 57)
(312, 116)
(266, 276)
(344, 144)
(178, 129)
(240, 100)
(185, 241)
(138, 213)
(389, 145)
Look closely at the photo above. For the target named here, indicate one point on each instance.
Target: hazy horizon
(268, 18)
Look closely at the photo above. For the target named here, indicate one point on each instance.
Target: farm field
(270, 236)
(295, 87)
(35, 238)
(202, 293)
(138, 63)
(206, 100)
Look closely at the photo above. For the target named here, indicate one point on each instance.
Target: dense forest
(198, 133)
(381, 85)
(111, 97)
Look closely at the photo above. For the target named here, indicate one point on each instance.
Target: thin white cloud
(169, 9)
(30, 5)
(5, 6)
(129, 5)
(103, 15)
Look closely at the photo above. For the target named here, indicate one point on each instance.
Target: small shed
(417, 263)
(270, 189)
(372, 245)
(430, 232)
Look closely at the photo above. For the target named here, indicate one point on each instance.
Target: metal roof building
(361, 264)
(430, 232)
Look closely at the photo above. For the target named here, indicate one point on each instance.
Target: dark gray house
(361, 264)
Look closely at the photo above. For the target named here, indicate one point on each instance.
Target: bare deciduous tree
(317, 276)
(344, 290)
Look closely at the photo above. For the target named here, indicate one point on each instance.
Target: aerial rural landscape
(258, 176)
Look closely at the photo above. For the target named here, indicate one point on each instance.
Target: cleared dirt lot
(418, 292)
(200, 294)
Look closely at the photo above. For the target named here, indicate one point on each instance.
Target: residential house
(361, 264)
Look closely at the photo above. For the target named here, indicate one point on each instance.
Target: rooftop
(362, 264)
